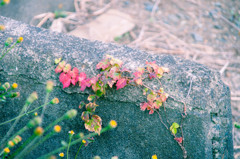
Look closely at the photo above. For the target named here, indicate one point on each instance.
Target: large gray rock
(207, 128)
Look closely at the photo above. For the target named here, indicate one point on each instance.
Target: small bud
(71, 114)
(20, 39)
(114, 157)
(8, 41)
(10, 144)
(57, 128)
(2, 27)
(38, 131)
(34, 122)
(35, 114)
(67, 68)
(113, 124)
(32, 98)
(6, 150)
(84, 141)
(52, 157)
(49, 86)
(5, 86)
(14, 94)
(14, 85)
(15, 141)
(54, 101)
(96, 157)
(81, 135)
(18, 138)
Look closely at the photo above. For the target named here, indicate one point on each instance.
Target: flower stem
(74, 142)
(45, 105)
(78, 150)
(8, 50)
(69, 144)
(23, 114)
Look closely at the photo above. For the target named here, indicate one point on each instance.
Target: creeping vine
(111, 73)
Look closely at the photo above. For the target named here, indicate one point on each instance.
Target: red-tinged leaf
(67, 68)
(94, 80)
(165, 69)
(164, 97)
(152, 96)
(141, 70)
(85, 83)
(85, 116)
(66, 83)
(138, 81)
(111, 83)
(137, 74)
(152, 75)
(178, 139)
(114, 73)
(62, 64)
(151, 111)
(103, 64)
(58, 69)
(63, 76)
(82, 76)
(159, 71)
(121, 83)
(143, 106)
(73, 81)
(157, 104)
(74, 73)
(116, 62)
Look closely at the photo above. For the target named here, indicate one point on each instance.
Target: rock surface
(207, 128)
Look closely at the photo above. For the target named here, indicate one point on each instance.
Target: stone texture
(207, 128)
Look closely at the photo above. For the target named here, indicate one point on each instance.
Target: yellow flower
(61, 154)
(14, 85)
(71, 132)
(154, 156)
(20, 39)
(84, 141)
(113, 124)
(6, 150)
(57, 128)
(2, 27)
(36, 114)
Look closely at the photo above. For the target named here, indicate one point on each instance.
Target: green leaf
(145, 90)
(237, 125)
(175, 125)
(174, 131)
(91, 97)
(99, 93)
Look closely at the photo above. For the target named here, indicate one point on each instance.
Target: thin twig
(160, 117)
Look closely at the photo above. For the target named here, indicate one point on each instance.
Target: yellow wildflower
(6, 150)
(84, 141)
(20, 39)
(113, 124)
(154, 156)
(14, 85)
(2, 27)
(57, 128)
(71, 132)
(61, 154)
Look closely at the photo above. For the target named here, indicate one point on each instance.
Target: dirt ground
(205, 31)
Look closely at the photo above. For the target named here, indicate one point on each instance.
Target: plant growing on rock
(113, 76)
